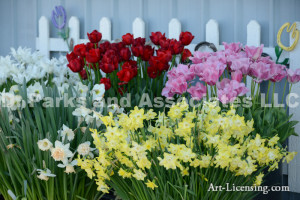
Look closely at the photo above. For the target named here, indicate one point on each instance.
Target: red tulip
(94, 36)
(107, 67)
(153, 72)
(125, 54)
(156, 37)
(71, 56)
(93, 56)
(83, 74)
(137, 50)
(76, 65)
(127, 38)
(80, 50)
(186, 38)
(148, 51)
(106, 82)
(176, 47)
(185, 55)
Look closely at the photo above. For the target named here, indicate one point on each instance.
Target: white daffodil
(98, 92)
(45, 174)
(64, 87)
(35, 92)
(11, 101)
(61, 152)
(66, 132)
(84, 149)
(114, 108)
(97, 116)
(44, 144)
(69, 166)
(14, 89)
(82, 89)
(81, 112)
(89, 119)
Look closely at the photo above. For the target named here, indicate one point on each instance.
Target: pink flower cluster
(237, 61)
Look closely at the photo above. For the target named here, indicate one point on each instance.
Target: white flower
(85, 149)
(114, 108)
(97, 116)
(14, 89)
(63, 88)
(35, 92)
(11, 101)
(82, 89)
(45, 174)
(66, 131)
(98, 92)
(81, 112)
(61, 152)
(69, 166)
(44, 144)
(89, 119)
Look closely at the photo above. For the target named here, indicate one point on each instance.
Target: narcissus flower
(44, 144)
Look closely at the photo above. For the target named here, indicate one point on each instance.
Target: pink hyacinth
(254, 52)
(278, 72)
(232, 47)
(260, 71)
(198, 91)
(181, 70)
(175, 86)
(209, 72)
(293, 76)
(228, 90)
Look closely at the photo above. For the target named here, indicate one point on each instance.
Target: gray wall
(19, 18)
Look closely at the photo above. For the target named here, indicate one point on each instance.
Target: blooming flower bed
(62, 138)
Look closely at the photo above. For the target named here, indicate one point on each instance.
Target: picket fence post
(294, 141)
(105, 28)
(174, 29)
(138, 28)
(74, 27)
(43, 40)
(212, 33)
(253, 39)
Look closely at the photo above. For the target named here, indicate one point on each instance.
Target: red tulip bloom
(186, 38)
(125, 54)
(71, 56)
(106, 82)
(176, 47)
(127, 38)
(137, 50)
(107, 67)
(76, 65)
(156, 37)
(153, 72)
(164, 44)
(164, 56)
(94, 36)
(148, 51)
(128, 72)
(83, 74)
(185, 55)
(90, 46)
(93, 56)
(80, 50)
(139, 41)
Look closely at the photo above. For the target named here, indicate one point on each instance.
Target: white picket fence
(45, 45)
